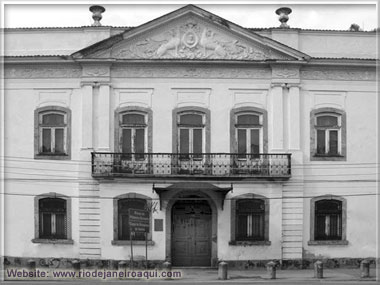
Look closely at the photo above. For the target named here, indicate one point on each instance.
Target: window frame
(191, 129)
(263, 119)
(176, 126)
(133, 128)
(341, 129)
(313, 240)
(116, 240)
(148, 134)
(38, 138)
(37, 220)
(248, 129)
(234, 239)
(261, 212)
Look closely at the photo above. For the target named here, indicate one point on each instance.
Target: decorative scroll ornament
(191, 41)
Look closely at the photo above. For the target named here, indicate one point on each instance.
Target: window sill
(52, 241)
(52, 156)
(323, 157)
(328, 242)
(250, 243)
(128, 242)
(328, 155)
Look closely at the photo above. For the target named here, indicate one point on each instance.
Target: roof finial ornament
(283, 13)
(97, 14)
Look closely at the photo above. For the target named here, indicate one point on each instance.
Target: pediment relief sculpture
(191, 40)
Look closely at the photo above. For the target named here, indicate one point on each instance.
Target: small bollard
(271, 270)
(76, 264)
(122, 266)
(364, 268)
(76, 267)
(31, 266)
(318, 269)
(223, 270)
(167, 266)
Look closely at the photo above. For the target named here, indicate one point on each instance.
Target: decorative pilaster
(95, 132)
(87, 123)
(285, 114)
(294, 124)
(104, 117)
(100, 76)
(276, 117)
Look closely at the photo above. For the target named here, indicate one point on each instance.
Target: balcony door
(249, 140)
(133, 142)
(191, 143)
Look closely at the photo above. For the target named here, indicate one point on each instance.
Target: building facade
(245, 145)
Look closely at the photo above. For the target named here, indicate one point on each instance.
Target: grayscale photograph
(186, 143)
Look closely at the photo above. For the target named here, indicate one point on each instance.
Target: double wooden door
(191, 233)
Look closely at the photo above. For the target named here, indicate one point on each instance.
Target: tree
(354, 28)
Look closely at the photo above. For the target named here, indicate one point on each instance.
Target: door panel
(191, 234)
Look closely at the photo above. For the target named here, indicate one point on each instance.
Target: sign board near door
(138, 220)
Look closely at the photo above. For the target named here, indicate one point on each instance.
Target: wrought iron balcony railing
(206, 165)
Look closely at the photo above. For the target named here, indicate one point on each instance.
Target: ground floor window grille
(250, 215)
(328, 220)
(53, 219)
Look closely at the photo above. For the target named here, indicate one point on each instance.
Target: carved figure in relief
(207, 42)
(172, 44)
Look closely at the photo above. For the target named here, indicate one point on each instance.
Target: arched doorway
(191, 232)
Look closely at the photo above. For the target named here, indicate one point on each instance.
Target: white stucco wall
(162, 95)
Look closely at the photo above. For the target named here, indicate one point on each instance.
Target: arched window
(248, 131)
(191, 140)
(133, 134)
(249, 134)
(191, 134)
(328, 220)
(124, 205)
(52, 132)
(133, 140)
(250, 219)
(52, 219)
(328, 134)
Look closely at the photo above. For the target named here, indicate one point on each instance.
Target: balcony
(219, 166)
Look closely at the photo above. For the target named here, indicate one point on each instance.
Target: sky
(320, 15)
